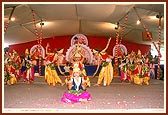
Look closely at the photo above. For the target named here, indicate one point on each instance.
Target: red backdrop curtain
(93, 42)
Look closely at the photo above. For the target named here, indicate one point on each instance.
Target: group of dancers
(134, 68)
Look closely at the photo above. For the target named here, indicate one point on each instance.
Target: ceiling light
(12, 19)
(117, 26)
(44, 24)
(138, 22)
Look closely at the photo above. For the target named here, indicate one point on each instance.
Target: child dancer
(76, 89)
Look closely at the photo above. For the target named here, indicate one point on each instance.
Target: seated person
(67, 69)
(76, 89)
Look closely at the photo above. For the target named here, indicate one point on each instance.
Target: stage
(116, 98)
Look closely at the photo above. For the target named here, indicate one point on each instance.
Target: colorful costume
(123, 73)
(29, 71)
(82, 68)
(106, 72)
(146, 74)
(76, 93)
(51, 76)
(12, 78)
(18, 67)
(152, 70)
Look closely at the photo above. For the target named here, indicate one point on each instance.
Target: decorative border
(80, 37)
(122, 47)
(86, 48)
(42, 50)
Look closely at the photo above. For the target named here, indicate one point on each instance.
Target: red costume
(104, 56)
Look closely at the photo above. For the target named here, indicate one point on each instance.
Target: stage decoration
(41, 50)
(122, 50)
(116, 49)
(79, 38)
(87, 53)
(150, 37)
(10, 16)
(159, 41)
(35, 27)
(125, 22)
(40, 44)
(148, 33)
(6, 26)
(38, 37)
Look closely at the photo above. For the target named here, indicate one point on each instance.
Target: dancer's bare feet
(83, 100)
(96, 85)
(62, 84)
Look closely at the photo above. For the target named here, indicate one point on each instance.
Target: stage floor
(116, 98)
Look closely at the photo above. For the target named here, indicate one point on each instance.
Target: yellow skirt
(12, 80)
(131, 78)
(106, 73)
(146, 80)
(138, 80)
(51, 76)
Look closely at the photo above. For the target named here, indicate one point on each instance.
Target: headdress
(94, 51)
(61, 51)
(26, 51)
(139, 61)
(139, 52)
(9, 60)
(77, 55)
(76, 69)
(14, 52)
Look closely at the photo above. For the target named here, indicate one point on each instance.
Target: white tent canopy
(90, 19)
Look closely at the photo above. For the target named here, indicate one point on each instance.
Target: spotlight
(138, 22)
(116, 28)
(158, 16)
(42, 23)
(12, 19)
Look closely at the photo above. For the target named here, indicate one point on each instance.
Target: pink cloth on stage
(74, 98)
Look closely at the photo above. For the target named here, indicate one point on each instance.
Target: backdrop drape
(93, 42)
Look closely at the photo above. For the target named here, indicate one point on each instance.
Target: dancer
(76, 89)
(77, 61)
(29, 72)
(51, 76)
(123, 71)
(60, 57)
(106, 72)
(11, 72)
(152, 69)
(67, 69)
(17, 64)
(138, 77)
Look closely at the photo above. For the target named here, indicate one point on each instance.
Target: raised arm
(48, 45)
(107, 45)
(47, 48)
